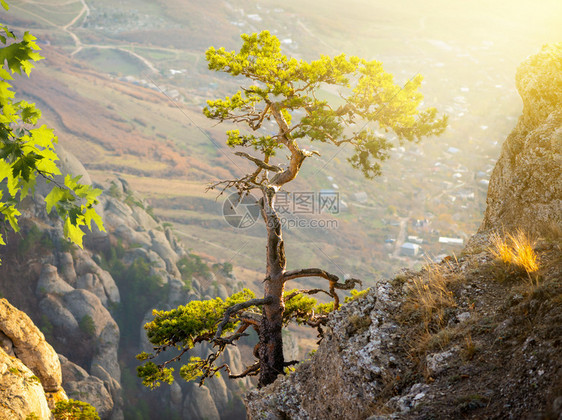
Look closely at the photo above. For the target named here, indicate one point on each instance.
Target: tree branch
(252, 370)
(237, 308)
(305, 291)
(332, 278)
(260, 163)
(309, 272)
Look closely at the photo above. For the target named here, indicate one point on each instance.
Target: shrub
(74, 410)
(87, 325)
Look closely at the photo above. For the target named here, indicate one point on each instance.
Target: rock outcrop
(30, 370)
(472, 337)
(525, 188)
(77, 303)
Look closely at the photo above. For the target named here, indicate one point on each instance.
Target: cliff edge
(477, 336)
(526, 185)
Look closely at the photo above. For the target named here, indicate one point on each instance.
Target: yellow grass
(517, 250)
(431, 295)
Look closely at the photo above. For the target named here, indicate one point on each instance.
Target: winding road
(79, 46)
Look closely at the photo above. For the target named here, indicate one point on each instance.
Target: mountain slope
(473, 337)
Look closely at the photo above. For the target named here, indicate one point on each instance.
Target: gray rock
(92, 391)
(219, 392)
(71, 372)
(199, 404)
(118, 213)
(66, 268)
(58, 315)
(50, 282)
(82, 302)
(438, 362)
(114, 388)
(144, 219)
(162, 247)
(95, 279)
(131, 236)
(176, 396)
(92, 283)
(106, 351)
(222, 292)
(109, 286)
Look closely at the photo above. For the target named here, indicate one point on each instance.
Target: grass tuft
(430, 295)
(518, 251)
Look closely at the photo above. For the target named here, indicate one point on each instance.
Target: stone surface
(82, 386)
(199, 404)
(525, 188)
(20, 393)
(50, 282)
(347, 367)
(58, 315)
(29, 345)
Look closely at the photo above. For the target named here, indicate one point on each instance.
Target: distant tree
(27, 152)
(284, 90)
(74, 410)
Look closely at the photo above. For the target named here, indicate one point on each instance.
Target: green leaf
(57, 195)
(73, 232)
(11, 214)
(4, 4)
(91, 215)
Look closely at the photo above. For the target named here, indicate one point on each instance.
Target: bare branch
(257, 125)
(309, 272)
(252, 370)
(305, 291)
(237, 308)
(260, 163)
(332, 278)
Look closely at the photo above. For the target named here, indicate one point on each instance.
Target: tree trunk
(271, 357)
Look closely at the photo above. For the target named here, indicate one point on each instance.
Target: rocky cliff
(526, 185)
(30, 370)
(477, 336)
(91, 305)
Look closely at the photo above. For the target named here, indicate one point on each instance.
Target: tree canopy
(283, 93)
(27, 151)
(373, 107)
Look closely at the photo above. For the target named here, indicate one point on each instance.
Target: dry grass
(469, 348)
(430, 295)
(517, 251)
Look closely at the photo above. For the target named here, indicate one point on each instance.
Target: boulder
(21, 394)
(92, 283)
(83, 303)
(219, 392)
(61, 318)
(29, 345)
(106, 351)
(199, 404)
(50, 282)
(82, 386)
(95, 279)
(66, 268)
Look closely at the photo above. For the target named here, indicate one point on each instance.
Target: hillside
(89, 306)
(476, 336)
(98, 87)
(124, 83)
